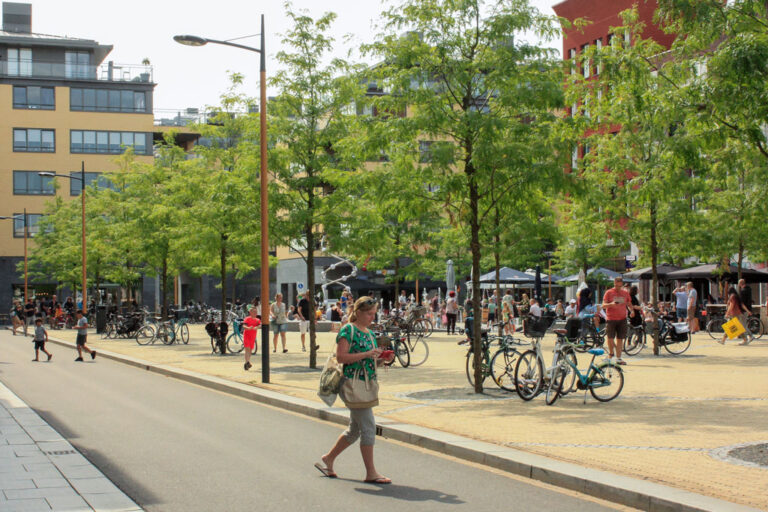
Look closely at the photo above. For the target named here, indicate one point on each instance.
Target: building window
(77, 64)
(34, 140)
(430, 150)
(103, 100)
(33, 97)
(32, 184)
(585, 60)
(598, 47)
(572, 57)
(19, 61)
(91, 178)
(33, 221)
(87, 141)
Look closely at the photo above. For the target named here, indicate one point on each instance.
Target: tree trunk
(474, 223)
(397, 281)
(497, 259)
(655, 279)
(164, 289)
(223, 256)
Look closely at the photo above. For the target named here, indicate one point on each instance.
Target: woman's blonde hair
(362, 304)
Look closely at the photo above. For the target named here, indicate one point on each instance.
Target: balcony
(109, 72)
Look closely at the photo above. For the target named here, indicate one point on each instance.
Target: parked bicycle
(674, 337)
(235, 338)
(604, 381)
(173, 330)
(499, 366)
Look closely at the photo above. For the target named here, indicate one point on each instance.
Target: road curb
(632, 492)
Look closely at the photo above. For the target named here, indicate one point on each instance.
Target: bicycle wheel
(427, 327)
(111, 332)
(214, 346)
(234, 343)
(503, 368)
(555, 385)
(184, 333)
(634, 342)
(470, 367)
(402, 353)
(529, 375)
(715, 328)
(569, 374)
(163, 333)
(419, 349)
(607, 382)
(755, 327)
(677, 347)
(145, 335)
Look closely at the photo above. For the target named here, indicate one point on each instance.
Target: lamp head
(189, 40)
(46, 173)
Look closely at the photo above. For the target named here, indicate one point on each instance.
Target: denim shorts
(682, 312)
(276, 328)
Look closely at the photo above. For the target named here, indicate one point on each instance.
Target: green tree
(467, 77)
(308, 117)
(641, 151)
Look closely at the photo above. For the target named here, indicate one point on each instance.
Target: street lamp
(26, 231)
(81, 179)
(189, 40)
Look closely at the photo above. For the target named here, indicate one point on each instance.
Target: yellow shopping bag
(733, 328)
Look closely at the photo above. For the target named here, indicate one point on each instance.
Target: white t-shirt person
(535, 309)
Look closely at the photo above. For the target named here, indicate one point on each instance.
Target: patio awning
(507, 275)
(713, 271)
(645, 273)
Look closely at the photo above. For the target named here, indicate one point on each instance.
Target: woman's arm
(345, 357)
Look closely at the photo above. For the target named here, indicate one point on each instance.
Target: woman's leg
(282, 337)
(367, 440)
(274, 341)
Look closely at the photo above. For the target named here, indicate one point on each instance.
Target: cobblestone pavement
(675, 422)
(41, 471)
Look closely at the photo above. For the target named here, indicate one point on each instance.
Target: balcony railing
(109, 72)
(189, 116)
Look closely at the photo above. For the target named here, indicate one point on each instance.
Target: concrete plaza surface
(673, 423)
(41, 471)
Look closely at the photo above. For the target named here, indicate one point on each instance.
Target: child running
(250, 328)
(82, 336)
(41, 336)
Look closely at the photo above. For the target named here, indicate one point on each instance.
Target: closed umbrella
(450, 275)
(537, 284)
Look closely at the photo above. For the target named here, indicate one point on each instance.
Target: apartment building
(62, 105)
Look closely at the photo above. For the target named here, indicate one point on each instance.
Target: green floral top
(359, 341)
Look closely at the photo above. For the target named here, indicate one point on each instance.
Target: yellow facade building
(61, 105)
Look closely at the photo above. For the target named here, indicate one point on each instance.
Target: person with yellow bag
(735, 311)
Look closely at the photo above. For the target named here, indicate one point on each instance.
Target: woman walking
(451, 311)
(736, 309)
(279, 321)
(356, 349)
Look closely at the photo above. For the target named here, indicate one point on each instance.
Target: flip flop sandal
(325, 471)
(381, 481)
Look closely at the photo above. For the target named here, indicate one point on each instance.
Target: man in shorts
(615, 304)
(303, 312)
(693, 300)
(82, 336)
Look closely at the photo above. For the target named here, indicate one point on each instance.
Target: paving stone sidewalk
(41, 471)
(678, 420)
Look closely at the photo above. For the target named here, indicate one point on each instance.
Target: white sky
(195, 77)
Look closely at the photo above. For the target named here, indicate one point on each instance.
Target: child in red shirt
(250, 328)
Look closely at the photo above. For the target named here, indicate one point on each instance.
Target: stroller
(218, 334)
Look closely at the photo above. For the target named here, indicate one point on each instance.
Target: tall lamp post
(26, 234)
(200, 41)
(81, 179)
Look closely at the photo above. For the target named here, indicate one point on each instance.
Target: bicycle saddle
(596, 351)
(562, 332)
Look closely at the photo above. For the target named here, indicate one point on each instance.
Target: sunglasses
(368, 302)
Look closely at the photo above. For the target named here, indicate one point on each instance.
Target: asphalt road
(172, 446)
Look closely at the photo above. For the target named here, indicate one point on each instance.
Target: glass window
(89, 142)
(102, 103)
(114, 101)
(48, 143)
(126, 101)
(19, 140)
(76, 141)
(127, 139)
(114, 142)
(34, 139)
(76, 64)
(75, 99)
(102, 142)
(140, 145)
(31, 183)
(89, 99)
(76, 185)
(33, 219)
(19, 97)
(139, 102)
(33, 97)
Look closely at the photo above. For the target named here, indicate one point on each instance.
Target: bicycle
(590, 336)
(531, 378)
(235, 339)
(168, 331)
(605, 376)
(499, 366)
(715, 326)
(755, 326)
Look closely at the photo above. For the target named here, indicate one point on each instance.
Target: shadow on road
(407, 493)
